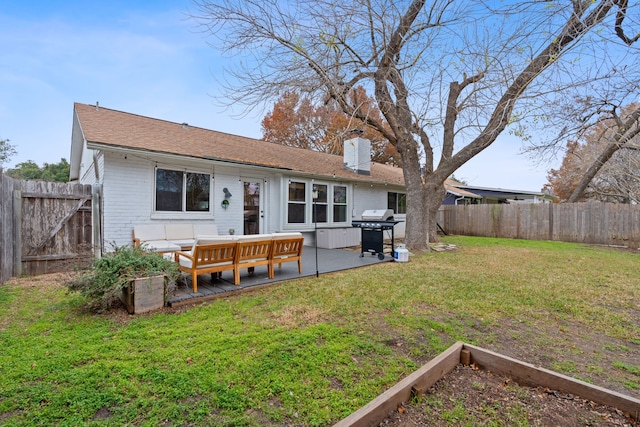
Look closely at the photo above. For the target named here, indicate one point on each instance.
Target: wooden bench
(287, 247)
(253, 251)
(214, 254)
(208, 255)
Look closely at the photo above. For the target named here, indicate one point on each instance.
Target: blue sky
(146, 58)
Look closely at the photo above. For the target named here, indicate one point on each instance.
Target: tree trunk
(425, 193)
(417, 226)
(416, 231)
(434, 196)
(423, 202)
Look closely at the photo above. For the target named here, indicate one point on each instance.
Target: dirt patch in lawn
(471, 396)
(567, 348)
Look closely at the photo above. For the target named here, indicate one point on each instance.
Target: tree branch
(620, 17)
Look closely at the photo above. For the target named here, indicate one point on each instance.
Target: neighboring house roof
(105, 128)
(459, 192)
(499, 193)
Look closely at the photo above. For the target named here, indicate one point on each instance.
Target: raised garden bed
(396, 400)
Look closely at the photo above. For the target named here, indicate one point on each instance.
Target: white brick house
(150, 170)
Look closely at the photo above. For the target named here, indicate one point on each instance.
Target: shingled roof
(104, 128)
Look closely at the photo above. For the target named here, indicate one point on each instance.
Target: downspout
(96, 217)
(95, 166)
(455, 202)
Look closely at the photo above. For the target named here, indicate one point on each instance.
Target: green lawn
(311, 351)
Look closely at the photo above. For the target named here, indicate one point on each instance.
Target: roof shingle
(118, 129)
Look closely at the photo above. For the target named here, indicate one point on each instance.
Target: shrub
(102, 284)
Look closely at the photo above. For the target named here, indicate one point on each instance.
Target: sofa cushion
(205, 230)
(283, 247)
(146, 232)
(186, 262)
(291, 235)
(207, 240)
(184, 243)
(179, 232)
(254, 248)
(160, 245)
(254, 237)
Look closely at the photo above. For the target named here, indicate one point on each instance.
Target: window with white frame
(297, 203)
(320, 203)
(182, 191)
(311, 202)
(339, 203)
(397, 202)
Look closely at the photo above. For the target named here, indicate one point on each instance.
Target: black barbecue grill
(374, 223)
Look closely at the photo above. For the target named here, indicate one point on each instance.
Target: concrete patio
(328, 260)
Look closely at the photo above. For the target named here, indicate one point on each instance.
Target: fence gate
(47, 227)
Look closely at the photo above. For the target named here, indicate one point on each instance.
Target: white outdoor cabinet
(332, 238)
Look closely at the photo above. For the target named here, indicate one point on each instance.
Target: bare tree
(619, 134)
(448, 76)
(604, 164)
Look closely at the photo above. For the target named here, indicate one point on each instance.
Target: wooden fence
(45, 227)
(593, 222)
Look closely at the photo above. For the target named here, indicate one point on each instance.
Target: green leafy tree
(30, 171)
(6, 151)
(58, 172)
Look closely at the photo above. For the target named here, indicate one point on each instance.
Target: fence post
(96, 219)
(550, 221)
(17, 232)
(6, 235)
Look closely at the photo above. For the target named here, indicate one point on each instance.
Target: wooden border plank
(532, 375)
(379, 408)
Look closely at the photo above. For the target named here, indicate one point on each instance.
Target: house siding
(367, 197)
(274, 208)
(232, 217)
(87, 170)
(129, 180)
(125, 204)
(375, 197)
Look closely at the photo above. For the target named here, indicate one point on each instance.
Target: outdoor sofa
(173, 237)
(215, 254)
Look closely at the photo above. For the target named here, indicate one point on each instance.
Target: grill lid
(377, 215)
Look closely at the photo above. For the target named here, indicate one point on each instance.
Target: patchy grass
(311, 351)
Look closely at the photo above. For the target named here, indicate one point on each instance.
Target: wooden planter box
(418, 382)
(144, 294)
